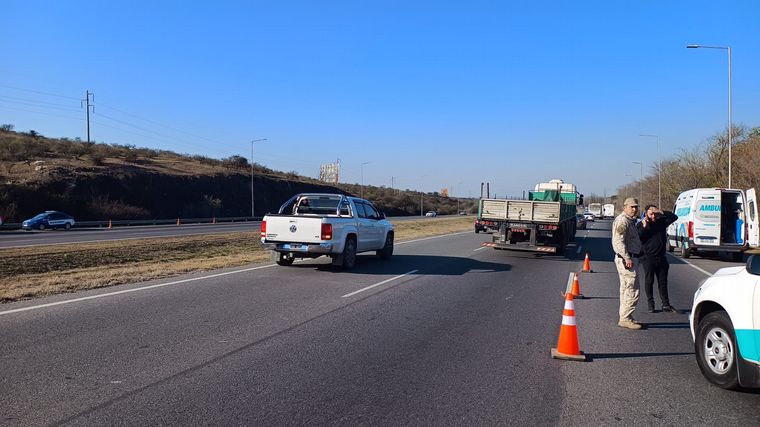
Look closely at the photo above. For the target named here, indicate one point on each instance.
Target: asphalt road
(20, 238)
(445, 333)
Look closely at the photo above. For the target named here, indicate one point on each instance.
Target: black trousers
(656, 266)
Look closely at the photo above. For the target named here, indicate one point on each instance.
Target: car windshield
(40, 216)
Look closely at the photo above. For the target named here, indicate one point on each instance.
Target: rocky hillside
(100, 181)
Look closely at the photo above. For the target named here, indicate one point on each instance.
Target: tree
(6, 128)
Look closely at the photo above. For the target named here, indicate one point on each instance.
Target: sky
(420, 95)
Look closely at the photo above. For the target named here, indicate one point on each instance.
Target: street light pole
(365, 163)
(659, 172)
(730, 125)
(641, 180)
(252, 198)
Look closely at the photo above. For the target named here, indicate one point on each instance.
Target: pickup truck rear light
(326, 232)
(691, 229)
(263, 229)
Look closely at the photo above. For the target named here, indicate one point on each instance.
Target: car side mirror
(382, 215)
(753, 265)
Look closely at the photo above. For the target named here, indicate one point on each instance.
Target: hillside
(100, 181)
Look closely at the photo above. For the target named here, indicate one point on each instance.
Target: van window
(752, 210)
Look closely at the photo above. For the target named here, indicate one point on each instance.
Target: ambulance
(714, 219)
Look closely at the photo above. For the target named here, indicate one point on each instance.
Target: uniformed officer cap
(631, 201)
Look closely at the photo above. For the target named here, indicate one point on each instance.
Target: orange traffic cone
(178, 222)
(567, 345)
(577, 288)
(110, 226)
(587, 265)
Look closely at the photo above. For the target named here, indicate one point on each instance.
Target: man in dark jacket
(652, 235)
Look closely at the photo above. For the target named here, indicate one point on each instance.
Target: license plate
(517, 225)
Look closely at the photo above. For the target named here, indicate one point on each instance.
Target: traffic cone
(577, 288)
(178, 222)
(587, 265)
(567, 345)
(110, 226)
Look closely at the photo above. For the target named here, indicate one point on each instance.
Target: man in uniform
(627, 247)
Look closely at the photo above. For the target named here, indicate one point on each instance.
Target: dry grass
(46, 270)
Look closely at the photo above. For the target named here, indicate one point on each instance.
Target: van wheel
(715, 346)
(285, 259)
(387, 251)
(349, 254)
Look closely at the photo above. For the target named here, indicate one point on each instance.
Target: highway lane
(19, 238)
(446, 332)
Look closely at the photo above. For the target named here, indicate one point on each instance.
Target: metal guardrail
(138, 222)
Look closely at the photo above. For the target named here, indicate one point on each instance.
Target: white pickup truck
(312, 225)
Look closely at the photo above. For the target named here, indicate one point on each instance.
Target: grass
(46, 270)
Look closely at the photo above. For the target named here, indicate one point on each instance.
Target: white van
(608, 210)
(714, 219)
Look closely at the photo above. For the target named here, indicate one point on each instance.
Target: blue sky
(435, 94)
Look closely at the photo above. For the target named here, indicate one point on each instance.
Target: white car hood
(729, 271)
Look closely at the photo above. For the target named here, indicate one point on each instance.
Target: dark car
(49, 219)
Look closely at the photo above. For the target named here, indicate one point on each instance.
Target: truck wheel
(349, 254)
(387, 251)
(285, 259)
(716, 350)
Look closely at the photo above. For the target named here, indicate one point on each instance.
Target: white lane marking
(126, 291)
(432, 237)
(569, 286)
(379, 283)
(579, 249)
(479, 249)
(200, 233)
(160, 285)
(687, 262)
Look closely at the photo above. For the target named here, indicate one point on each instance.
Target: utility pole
(86, 101)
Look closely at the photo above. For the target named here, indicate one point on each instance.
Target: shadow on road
(400, 264)
(592, 356)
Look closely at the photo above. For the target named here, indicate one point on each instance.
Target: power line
(38, 103)
(39, 92)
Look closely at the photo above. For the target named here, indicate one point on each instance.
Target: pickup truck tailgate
(289, 228)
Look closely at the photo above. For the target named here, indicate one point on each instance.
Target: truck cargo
(543, 223)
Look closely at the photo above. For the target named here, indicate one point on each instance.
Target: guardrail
(138, 222)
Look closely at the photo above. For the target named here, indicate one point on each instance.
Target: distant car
(580, 222)
(462, 212)
(589, 216)
(431, 214)
(49, 219)
(726, 328)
